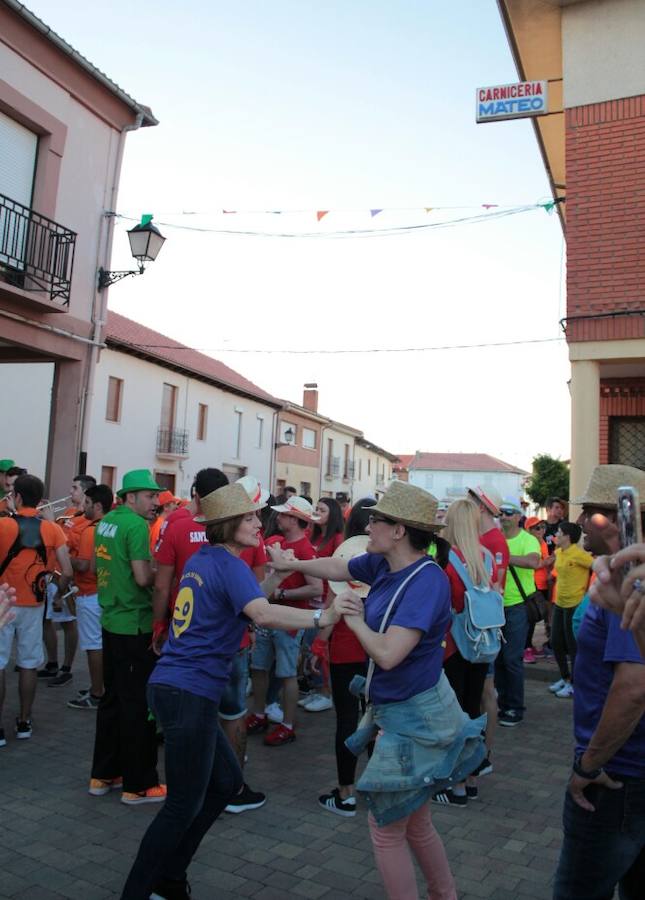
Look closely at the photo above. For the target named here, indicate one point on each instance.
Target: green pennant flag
(146, 219)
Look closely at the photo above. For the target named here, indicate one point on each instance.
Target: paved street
(56, 841)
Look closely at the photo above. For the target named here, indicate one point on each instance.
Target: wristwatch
(280, 594)
(588, 775)
(318, 617)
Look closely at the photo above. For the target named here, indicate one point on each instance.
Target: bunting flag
(489, 205)
(375, 212)
(227, 212)
(321, 213)
(427, 209)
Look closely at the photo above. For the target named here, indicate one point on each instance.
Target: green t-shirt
(521, 545)
(121, 536)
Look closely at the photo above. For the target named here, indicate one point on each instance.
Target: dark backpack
(29, 538)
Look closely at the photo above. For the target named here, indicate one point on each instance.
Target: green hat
(138, 480)
(6, 464)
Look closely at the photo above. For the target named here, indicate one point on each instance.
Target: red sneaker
(529, 655)
(255, 724)
(280, 735)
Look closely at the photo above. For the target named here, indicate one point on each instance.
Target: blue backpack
(477, 631)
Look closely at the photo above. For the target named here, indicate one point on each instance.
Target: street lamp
(145, 243)
(289, 435)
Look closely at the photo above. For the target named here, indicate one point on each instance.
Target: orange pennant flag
(321, 213)
(428, 209)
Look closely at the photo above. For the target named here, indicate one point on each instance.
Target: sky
(347, 106)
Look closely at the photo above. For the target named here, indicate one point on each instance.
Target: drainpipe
(100, 298)
(322, 445)
(274, 450)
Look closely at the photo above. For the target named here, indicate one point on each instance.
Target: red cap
(167, 497)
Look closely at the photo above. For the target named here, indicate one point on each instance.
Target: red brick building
(593, 146)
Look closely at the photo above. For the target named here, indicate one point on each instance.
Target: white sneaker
(567, 691)
(318, 703)
(557, 686)
(274, 713)
(304, 700)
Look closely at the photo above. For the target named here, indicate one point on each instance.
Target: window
(202, 421)
(346, 462)
(330, 455)
(627, 441)
(108, 475)
(260, 431)
(280, 485)
(309, 438)
(114, 396)
(429, 479)
(360, 469)
(238, 433)
(18, 151)
(369, 467)
(168, 407)
(166, 481)
(305, 489)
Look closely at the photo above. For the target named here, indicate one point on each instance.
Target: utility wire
(551, 340)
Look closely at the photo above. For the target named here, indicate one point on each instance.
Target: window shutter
(18, 148)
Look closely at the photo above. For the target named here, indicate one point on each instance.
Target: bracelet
(317, 617)
(589, 776)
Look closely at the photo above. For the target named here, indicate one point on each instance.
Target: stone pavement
(56, 841)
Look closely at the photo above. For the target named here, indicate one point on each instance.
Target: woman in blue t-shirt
(218, 596)
(424, 738)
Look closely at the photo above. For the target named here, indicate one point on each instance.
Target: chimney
(310, 397)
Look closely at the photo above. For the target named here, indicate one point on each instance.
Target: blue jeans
(509, 665)
(233, 703)
(202, 774)
(604, 848)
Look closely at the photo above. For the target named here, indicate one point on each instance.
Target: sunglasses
(374, 519)
(509, 512)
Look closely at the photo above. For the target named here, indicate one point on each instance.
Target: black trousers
(126, 742)
(348, 708)
(563, 640)
(467, 681)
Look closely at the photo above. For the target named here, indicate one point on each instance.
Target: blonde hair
(462, 532)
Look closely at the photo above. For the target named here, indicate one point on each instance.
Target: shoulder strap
(461, 570)
(517, 582)
(390, 606)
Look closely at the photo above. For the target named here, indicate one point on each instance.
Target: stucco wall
(448, 486)
(603, 57)
(25, 402)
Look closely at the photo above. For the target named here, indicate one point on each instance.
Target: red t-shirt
(495, 541)
(302, 549)
(325, 549)
(255, 557)
(457, 594)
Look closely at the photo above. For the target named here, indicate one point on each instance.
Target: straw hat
(488, 497)
(605, 481)
(409, 505)
(252, 487)
(227, 502)
(354, 546)
(299, 507)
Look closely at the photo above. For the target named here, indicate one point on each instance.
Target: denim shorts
(233, 702)
(281, 647)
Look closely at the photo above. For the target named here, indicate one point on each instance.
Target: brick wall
(605, 153)
(618, 397)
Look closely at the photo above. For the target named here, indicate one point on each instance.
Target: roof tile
(462, 462)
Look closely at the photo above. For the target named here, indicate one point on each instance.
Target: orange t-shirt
(81, 546)
(541, 575)
(155, 531)
(24, 568)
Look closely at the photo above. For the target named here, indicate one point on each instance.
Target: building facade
(298, 447)
(449, 475)
(373, 469)
(63, 126)
(593, 148)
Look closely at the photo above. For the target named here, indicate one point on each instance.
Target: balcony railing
(333, 467)
(172, 442)
(36, 253)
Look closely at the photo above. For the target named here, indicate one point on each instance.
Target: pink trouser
(392, 845)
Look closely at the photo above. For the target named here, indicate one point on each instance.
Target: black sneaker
(23, 729)
(334, 803)
(50, 671)
(64, 677)
(484, 768)
(449, 798)
(246, 799)
(84, 701)
(3, 740)
(170, 890)
(509, 718)
(472, 792)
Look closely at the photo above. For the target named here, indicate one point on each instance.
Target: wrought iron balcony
(333, 467)
(36, 253)
(172, 442)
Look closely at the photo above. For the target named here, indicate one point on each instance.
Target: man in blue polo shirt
(604, 808)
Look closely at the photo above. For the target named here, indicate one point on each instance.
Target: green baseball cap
(138, 480)
(6, 464)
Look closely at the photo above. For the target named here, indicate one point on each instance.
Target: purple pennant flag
(375, 212)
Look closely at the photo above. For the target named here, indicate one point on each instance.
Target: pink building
(63, 125)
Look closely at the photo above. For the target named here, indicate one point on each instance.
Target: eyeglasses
(538, 528)
(508, 512)
(374, 519)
